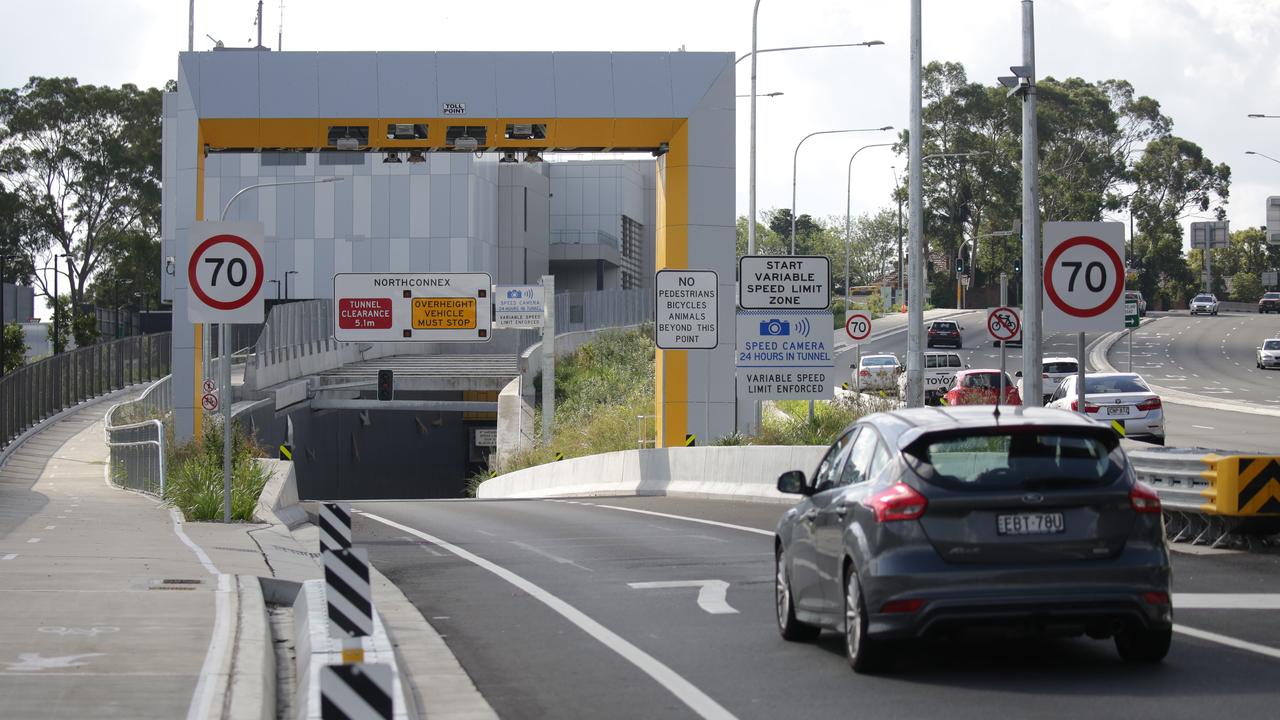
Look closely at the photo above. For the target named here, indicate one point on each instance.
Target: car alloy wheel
(864, 655)
(788, 626)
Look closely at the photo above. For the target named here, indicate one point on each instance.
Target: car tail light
(1144, 498)
(1152, 404)
(864, 373)
(900, 502)
(1156, 598)
(1044, 375)
(1088, 407)
(912, 605)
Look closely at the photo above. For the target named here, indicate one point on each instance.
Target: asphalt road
(535, 599)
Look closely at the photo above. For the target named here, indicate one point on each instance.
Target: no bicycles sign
(225, 273)
(1084, 273)
(1004, 324)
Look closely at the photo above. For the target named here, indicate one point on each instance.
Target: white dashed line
(10, 556)
(32, 540)
(1202, 427)
(50, 527)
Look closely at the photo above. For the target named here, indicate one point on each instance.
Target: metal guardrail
(1210, 498)
(38, 391)
(294, 330)
(137, 438)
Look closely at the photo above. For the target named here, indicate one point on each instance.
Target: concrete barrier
(743, 472)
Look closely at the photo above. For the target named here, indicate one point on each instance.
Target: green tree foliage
(15, 347)
(83, 163)
(1246, 287)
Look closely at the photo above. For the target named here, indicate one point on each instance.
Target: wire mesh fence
(46, 387)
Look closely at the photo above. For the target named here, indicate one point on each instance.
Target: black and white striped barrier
(347, 592)
(357, 692)
(335, 527)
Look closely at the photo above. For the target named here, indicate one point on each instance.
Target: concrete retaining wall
(747, 472)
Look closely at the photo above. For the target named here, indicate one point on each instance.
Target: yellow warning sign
(1118, 426)
(444, 313)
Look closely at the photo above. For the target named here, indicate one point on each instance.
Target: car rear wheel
(1140, 645)
(864, 654)
(788, 626)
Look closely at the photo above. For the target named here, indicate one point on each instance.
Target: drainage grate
(175, 584)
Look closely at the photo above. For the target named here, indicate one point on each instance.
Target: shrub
(194, 482)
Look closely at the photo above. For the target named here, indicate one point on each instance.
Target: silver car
(927, 522)
(1122, 398)
(1269, 354)
(1204, 305)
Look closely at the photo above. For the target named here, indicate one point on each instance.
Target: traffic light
(386, 385)
(1017, 266)
(959, 266)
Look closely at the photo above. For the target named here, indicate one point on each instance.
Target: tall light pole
(848, 227)
(1023, 83)
(751, 181)
(915, 191)
(1260, 115)
(224, 342)
(795, 157)
(1251, 152)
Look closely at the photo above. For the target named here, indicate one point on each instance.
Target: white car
(877, 372)
(940, 369)
(1052, 372)
(1121, 397)
(1269, 353)
(1204, 304)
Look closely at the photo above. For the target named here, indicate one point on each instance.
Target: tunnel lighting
(532, 157)
(508, 156)
(416, 156)
(391, 158)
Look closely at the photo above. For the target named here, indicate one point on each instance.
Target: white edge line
(716, 523)
(199, 551)
(682, 689)
(1228, 641)
(202, 698)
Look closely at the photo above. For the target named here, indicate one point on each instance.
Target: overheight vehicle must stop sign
(225, 272)
(1084, 272)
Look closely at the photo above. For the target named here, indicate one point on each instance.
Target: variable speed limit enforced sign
(1083, 276)
(858, 326)
(225, 273)
(1004, 324)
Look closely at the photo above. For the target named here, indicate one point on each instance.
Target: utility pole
(915, 302)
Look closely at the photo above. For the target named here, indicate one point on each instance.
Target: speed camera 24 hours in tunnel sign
(1084, 273)
(225, 272)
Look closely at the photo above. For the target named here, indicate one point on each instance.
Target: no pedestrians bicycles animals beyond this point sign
(225, 273)
(1083, 276)
(686, 313)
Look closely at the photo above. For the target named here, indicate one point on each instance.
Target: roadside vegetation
(194, 475)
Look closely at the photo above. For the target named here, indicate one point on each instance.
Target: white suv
(1052, 372)
(1205, 303)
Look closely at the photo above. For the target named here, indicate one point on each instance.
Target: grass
(194, 482)
(790, 424)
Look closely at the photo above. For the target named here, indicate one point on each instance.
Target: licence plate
(1030, 524)
(1118, 410)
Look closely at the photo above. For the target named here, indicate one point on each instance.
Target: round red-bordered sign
(194, 264)
(865, 326)
(1113, 257)
(1006, 332)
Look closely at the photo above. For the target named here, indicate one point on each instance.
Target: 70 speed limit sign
(225, 272)
(1084, 274)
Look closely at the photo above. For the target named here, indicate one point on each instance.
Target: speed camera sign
(225, 273)
(1084, 273)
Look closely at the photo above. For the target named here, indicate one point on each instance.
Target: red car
(980, 387)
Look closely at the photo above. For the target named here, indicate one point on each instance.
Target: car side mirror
(1018, 374)
(792, 482)
(853, 365)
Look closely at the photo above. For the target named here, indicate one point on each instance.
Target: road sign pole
(225, 399)
(1131, 351)
(1080, 368)
(1032, 265)
(915, 225)
(1000, 399)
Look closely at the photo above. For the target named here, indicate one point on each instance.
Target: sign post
(1004, 325)
(225, 277)
(1083, 283)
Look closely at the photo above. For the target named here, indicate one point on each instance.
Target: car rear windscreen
(1020, 459)
(1115, 384)
(946, 326)
(1061, 367)
(879, 361)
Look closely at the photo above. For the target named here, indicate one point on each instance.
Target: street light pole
(1031, 265)
(224, 346)
(795, 157)
(915, 302)
(848, 227)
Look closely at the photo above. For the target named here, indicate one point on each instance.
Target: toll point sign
(784, 282)
(412, 307)
(686, 313)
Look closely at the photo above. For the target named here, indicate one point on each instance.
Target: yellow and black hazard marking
(286, 451)
(1259, 485)
(690, 440)
(844, 386)
(559, 456)
(1118, 426)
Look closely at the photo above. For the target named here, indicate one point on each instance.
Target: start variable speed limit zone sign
(1084, 274)
(1003, 323)
(225, 272)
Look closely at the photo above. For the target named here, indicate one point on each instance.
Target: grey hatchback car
(926, 522)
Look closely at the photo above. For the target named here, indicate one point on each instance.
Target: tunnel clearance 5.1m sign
(785, 354)
(412, 307)
(791, 282)
(225, 272)
(1083, 276)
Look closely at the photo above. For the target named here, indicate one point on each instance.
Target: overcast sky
(1208, 62)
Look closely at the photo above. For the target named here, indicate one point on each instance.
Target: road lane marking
(711, 593)
(50, 527)
(549, 556)
(716, 523)
(1228, 641)
(1226, 601)
(210, 671)
(682, 689)
(33, 540)
(10, 556)
(1203, 427)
